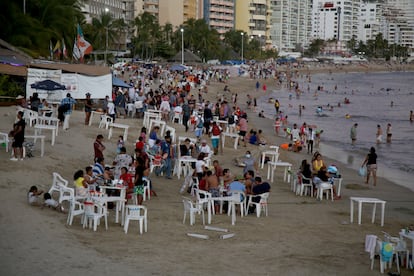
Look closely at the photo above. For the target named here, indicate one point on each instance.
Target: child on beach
(81, 186)
(120, 144)
(33, 195)
(51, 203)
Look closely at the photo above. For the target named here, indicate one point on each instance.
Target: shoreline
(350, 159)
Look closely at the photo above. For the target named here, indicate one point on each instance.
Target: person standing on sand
(277, 106)
(88, 108)
(18, 137)
(371, 162)
(379, 134)
(411, 116)
(68, 103)
(98, 147)
(354, 133)
(389, 133)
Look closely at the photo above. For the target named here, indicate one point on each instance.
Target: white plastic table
(338, 187)
(93, 113)
(122, 126)
(119, 200)
(271, 168)
(361, 200)
(222, 198)
(274, 155)
(45, 120)
(232, 135)
(38, 130)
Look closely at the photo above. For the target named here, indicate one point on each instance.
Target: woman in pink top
(243, 128)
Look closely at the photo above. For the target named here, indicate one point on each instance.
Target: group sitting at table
(221, 182)
(319, 173)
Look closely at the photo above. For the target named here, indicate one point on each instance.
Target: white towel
(370, 243)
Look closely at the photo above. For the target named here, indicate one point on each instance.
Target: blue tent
(118, 82)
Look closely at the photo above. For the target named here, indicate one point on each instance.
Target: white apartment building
(336, 20)
(117, 8)
(398, 23)
(369, 21)
(219, 14)
(290, 24)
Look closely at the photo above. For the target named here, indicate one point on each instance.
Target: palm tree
(103, 33)
(148, 31)
(120, 27)
(44, 20)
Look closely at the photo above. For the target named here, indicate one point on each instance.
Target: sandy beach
(301, 236)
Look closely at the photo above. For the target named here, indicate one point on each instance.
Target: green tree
(148, 32)
(44, 21)
(315, 48)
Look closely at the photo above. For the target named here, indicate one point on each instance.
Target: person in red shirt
(126, 177)
(140, 144)
(98, 147)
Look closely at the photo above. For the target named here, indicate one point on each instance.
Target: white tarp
(76, 84)
(36, 75)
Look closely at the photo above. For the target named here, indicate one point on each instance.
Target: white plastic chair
(154, 163)
(261, 205)
(304, 186)
(239, 197)
(147, 190)
(57, 182)
(178, 116)
(105, 121)
(4, 139)
(136, 212)
(131, 110)
(75, 207)
(204, 199)
(192, 209)
(384, 264)
(94, 211)
(324, 187)
(31, 116)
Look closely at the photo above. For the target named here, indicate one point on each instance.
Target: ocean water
(375, 99)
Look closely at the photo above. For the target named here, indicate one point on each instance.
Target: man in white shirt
(111, 109)
(295, 134)
(205, 148)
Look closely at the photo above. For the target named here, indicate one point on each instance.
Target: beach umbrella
(47, 85)
(178, 67)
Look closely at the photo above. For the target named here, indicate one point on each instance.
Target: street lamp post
(182, 46)
(242, 45)
(260, 45)
(106, 41)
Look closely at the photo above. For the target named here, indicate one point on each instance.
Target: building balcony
(258, 17)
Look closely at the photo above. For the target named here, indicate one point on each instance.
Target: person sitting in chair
(259, 188)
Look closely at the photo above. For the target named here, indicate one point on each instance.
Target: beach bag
(362, 171)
